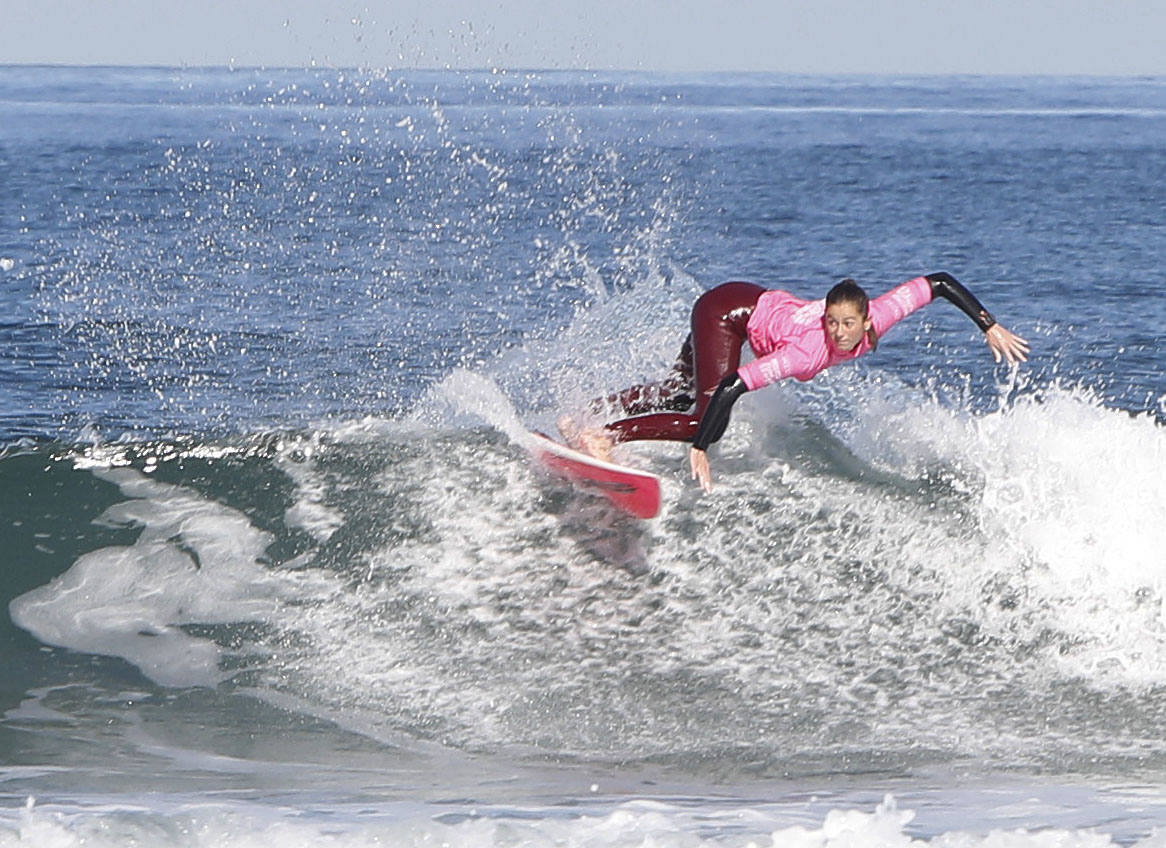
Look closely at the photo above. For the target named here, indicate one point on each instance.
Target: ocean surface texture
(277, 568)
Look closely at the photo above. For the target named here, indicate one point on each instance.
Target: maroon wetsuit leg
(719, 320)
(673, 393)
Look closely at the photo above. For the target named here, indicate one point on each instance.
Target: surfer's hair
(849, 291)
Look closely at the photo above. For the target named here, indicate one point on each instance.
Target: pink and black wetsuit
(789, 338)
(786, 334)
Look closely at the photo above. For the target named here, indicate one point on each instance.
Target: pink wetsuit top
(788, 335)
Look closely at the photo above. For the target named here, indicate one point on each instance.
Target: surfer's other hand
(1006, 345)
(699, 460)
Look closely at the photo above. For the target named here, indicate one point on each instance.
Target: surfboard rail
(630, 490)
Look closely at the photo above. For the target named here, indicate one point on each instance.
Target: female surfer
(790, 338)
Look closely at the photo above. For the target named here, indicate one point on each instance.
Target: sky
(1088, 37)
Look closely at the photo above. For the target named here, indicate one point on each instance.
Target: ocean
(277, 567)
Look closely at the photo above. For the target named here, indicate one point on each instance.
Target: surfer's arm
(716, 417)
(949, 288)
(712, 426)
(1004, 344)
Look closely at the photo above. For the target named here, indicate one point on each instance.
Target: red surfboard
(633, 491)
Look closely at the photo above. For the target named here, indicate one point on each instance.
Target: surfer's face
(845, 325)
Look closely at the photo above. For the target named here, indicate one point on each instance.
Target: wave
(879, 581)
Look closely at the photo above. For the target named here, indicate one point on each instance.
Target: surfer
(790, 338)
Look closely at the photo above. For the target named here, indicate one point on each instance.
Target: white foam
(1075, 494)
(310, 512)
(1072, 511)
(632, 823)
(194, 562)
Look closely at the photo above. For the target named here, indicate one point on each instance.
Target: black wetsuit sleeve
(948, 287)
(716, 417)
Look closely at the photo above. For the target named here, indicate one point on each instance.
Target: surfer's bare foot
(597, 443)
(593, 441)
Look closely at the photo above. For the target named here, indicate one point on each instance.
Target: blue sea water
(277, 567)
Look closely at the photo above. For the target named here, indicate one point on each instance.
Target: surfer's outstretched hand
(699, 460)
(1006, 344)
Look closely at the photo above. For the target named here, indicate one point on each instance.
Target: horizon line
(502, 71)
